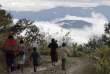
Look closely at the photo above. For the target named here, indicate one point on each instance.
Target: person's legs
(35, 68)
(22, 67)
(18, 66)
(8, 69)
(54, 58)
(8, 62)
(63, 64)
(53, 63)
(12, 56)
(12, 67)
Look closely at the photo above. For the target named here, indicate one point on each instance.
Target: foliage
(32, 35)
(77, 50)
(21, 25)
(17, 29)
(99, 49)
(93, 42)
(106, 36)
(44, 52)
(102, 55)
(31, 32)
(107, 28)
(105, 39)
(5, 21)
(66, 38)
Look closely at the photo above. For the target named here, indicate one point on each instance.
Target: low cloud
(78, 35)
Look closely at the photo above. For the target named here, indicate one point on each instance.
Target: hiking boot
(12, 68)
(34, 70)
(18, 66)
(63, 69)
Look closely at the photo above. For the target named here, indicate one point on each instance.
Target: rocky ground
(74, 65)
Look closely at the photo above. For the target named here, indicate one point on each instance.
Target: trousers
(63, 63)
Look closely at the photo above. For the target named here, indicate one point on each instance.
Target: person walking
(54, 57)
(36, 57)
(10, 48)
(21, 55)
(64, 51)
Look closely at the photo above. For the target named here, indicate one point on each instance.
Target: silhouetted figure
(21, 55)
(35, 56)
(54, 57)
(64, 51)
(11, 50)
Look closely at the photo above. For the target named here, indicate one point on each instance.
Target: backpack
(8, 49)
(21, 50)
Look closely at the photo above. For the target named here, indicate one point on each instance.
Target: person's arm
(39, 56)
(24, 48)
(16, 48)
(67, 51)
(60, 53)
(56, 45)
(49, 46)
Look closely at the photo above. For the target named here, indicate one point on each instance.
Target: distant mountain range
(60, 12)
(68, 24)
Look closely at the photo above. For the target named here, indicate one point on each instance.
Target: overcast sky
(37, 5)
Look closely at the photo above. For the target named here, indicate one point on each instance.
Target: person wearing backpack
(64, 51)
(21, 55)
(35, 56)
(10, 48)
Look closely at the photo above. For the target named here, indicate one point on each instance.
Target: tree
(20, 26)
(107, 28)
(67, 39)
(32, 35)
(5, 21)
(106, 36)
(31, 32)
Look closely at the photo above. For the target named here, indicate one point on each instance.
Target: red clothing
(11, 43)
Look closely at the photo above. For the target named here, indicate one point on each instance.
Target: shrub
(103, 59)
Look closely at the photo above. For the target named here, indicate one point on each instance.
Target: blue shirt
(35, 56)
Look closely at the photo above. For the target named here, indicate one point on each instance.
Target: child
(63, 54)
(21, 56)
(35, 55)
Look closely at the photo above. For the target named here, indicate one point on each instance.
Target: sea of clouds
(80, 36)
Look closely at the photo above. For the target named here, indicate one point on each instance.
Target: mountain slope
(68, 24)
(60, 12)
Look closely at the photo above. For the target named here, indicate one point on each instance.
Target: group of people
(20, 50)
(12, 50)
(64, 51)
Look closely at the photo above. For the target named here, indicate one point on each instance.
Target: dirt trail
(40, 68)
(80, 64)
(73, 66)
